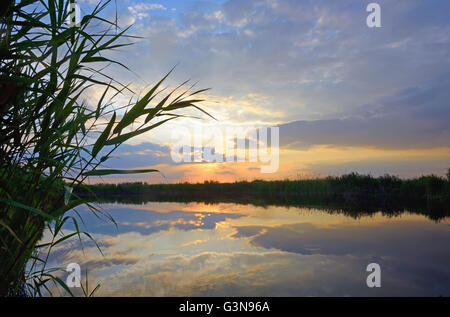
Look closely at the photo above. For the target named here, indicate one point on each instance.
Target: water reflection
(195, 249)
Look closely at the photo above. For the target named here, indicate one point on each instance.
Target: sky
(345, 97)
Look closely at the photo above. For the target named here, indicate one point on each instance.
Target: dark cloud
(104, 262)
(414, 118)
(139, 155)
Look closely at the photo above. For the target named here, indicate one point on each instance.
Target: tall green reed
(50, 137)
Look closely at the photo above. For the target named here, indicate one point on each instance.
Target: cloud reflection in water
(185, 250)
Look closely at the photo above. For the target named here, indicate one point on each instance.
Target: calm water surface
(194, 249)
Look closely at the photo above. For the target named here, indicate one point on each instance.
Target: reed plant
(51, 139)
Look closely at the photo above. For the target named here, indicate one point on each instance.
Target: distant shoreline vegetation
(354, 194)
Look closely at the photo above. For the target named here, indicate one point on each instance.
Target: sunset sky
(345, 97)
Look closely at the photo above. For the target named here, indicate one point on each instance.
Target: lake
(199, 249)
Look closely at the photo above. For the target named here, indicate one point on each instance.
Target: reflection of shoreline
(349, 204)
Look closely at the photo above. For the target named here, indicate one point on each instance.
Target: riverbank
(352, 193)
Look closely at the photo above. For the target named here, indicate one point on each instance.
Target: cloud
(138, 155)
(195, 242)
(140, 10)
(412, 118)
